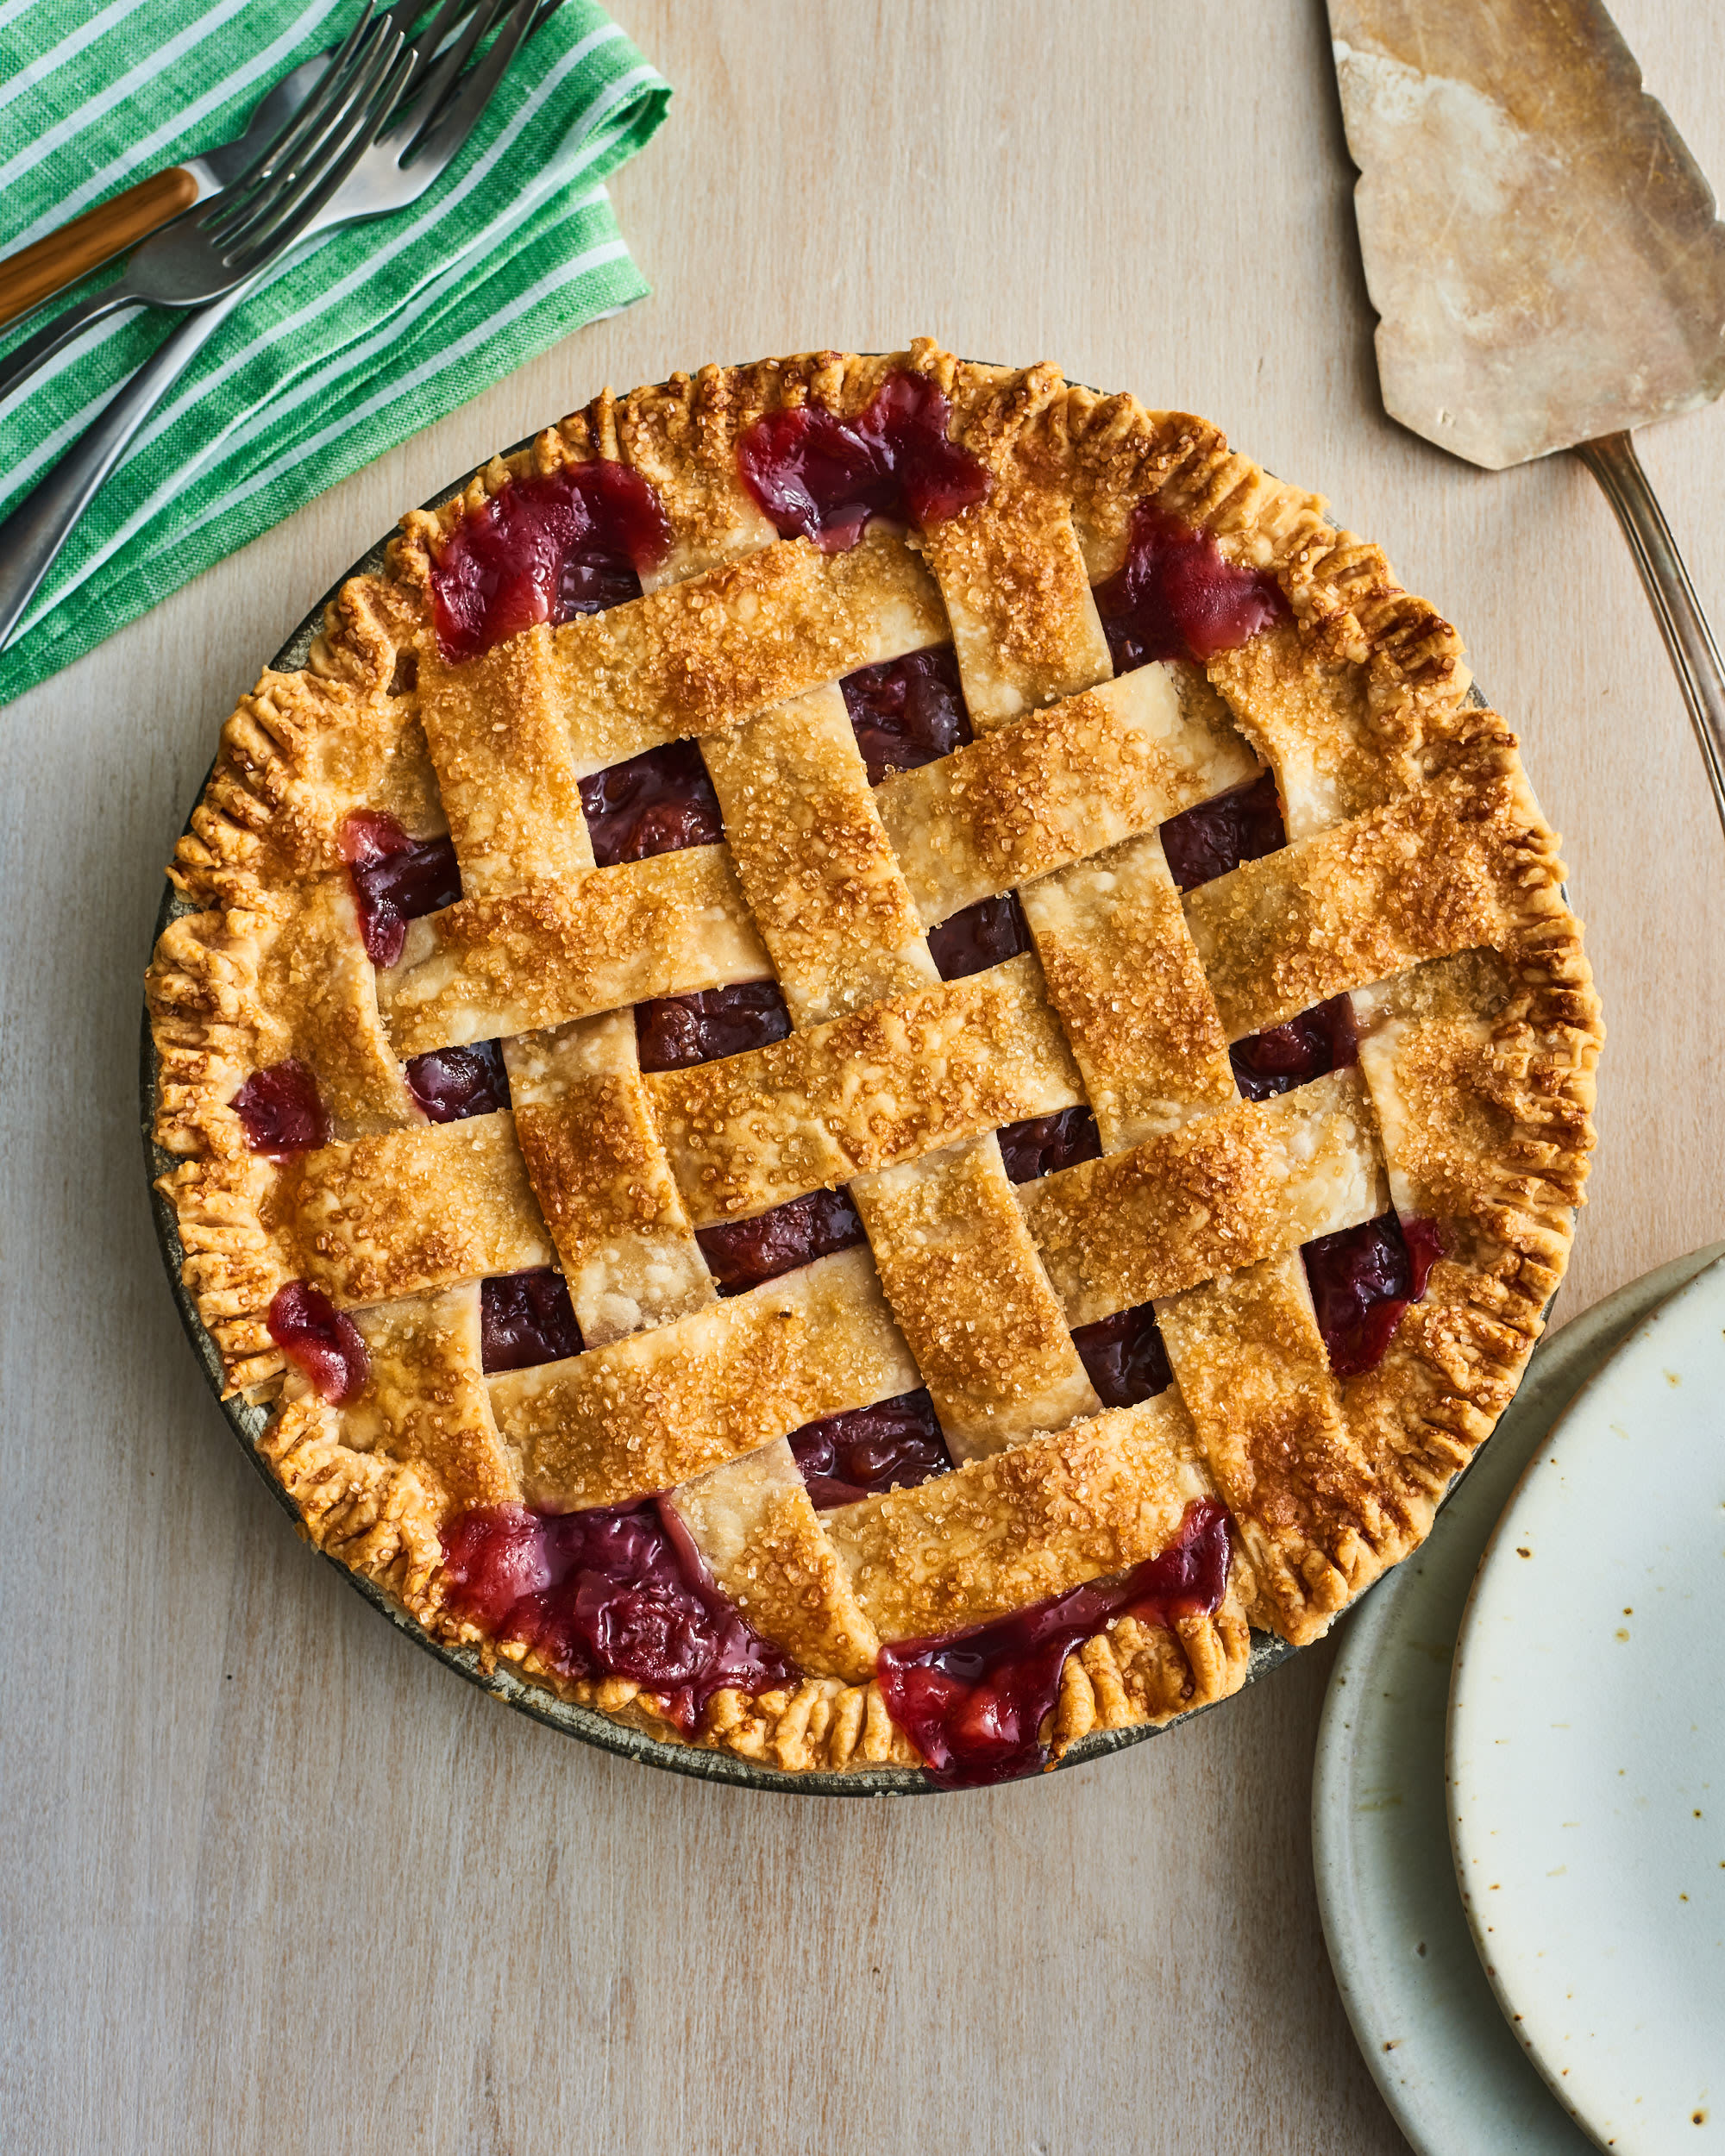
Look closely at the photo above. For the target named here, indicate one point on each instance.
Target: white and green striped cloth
(374, 333)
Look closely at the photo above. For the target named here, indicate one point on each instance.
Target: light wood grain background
(271, 1879)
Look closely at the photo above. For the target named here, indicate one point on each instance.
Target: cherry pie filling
(449, 1084)
(983, 935)
(1324, 1038)
(395, 879)
(281, 1111)
(906, 712)
(655, 803)
(672, 1033)
(319, 1340)
(1124, 1357)
(743, 1254)
(1175, 596)
(820, 477)
(1042, 1144)
(1361, 1280)
(974, 1702)
(546, 548)
(526, 1319)
(618, 1591)
(1207, 842)
(891, 1446)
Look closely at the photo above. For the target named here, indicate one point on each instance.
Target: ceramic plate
(1430, 2028)
(1586, 1748)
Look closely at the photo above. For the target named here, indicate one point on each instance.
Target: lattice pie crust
(1418, 878)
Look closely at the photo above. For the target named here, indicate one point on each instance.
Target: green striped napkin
(372, 334)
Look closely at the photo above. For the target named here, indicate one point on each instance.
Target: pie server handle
(1689, 637)
(32, 537)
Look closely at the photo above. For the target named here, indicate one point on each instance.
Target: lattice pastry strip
(1024, 1523)
(317, 1000)
(1442, 1093)
(505, 769)
(651, 1411)
(1208, 1197)
(883, 1086)
(1309, 716)
(408, 1210)
(681, 438)
(1122, 973)
(1056, 788)
(672, 925)
(599, 1172)
(426, 1404)
(970, 1293)
(700, 656)
(1251, 1368)
(1010, 567)
(1435, 872)
(806, 837)
(762, 1542)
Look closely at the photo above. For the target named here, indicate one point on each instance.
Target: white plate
(1587, 1748)
(1430, 2029)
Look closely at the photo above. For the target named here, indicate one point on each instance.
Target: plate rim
(1524, 2012)
(1371, 1648)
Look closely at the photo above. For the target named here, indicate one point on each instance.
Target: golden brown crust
(1024, 1523)
(753, 1524)
(818, 869)
(1010, 567)
(972, 1298)
(1420, 879)
(663, 1406)
(599, 1173)
(1215, 1193)
(864, 1093)
(1455, 866)
(505, 769)
(1248, 1362)
(424, 1404)
(406, 1211)
(1057, 787)
(1126, 983)
(484, 967)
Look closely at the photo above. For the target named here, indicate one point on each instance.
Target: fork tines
(259, 216)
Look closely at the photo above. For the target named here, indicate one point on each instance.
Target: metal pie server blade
(1545, 258)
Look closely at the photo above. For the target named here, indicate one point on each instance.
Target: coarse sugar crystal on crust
(1091, 1040)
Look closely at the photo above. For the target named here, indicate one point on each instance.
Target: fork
(198, 258)
(385, 173)
(72, 251)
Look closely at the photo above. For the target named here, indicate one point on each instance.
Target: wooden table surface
(273, 1880)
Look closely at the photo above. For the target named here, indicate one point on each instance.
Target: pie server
(1543, 256)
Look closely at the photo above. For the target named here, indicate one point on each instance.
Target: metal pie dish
(587, 1724)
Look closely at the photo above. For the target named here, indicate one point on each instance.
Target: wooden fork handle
(30, 276)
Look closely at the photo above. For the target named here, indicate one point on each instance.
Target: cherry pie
(876, 1052)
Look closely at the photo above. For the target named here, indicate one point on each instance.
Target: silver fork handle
(1689, 637)
(36, 351)
(40, 526)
